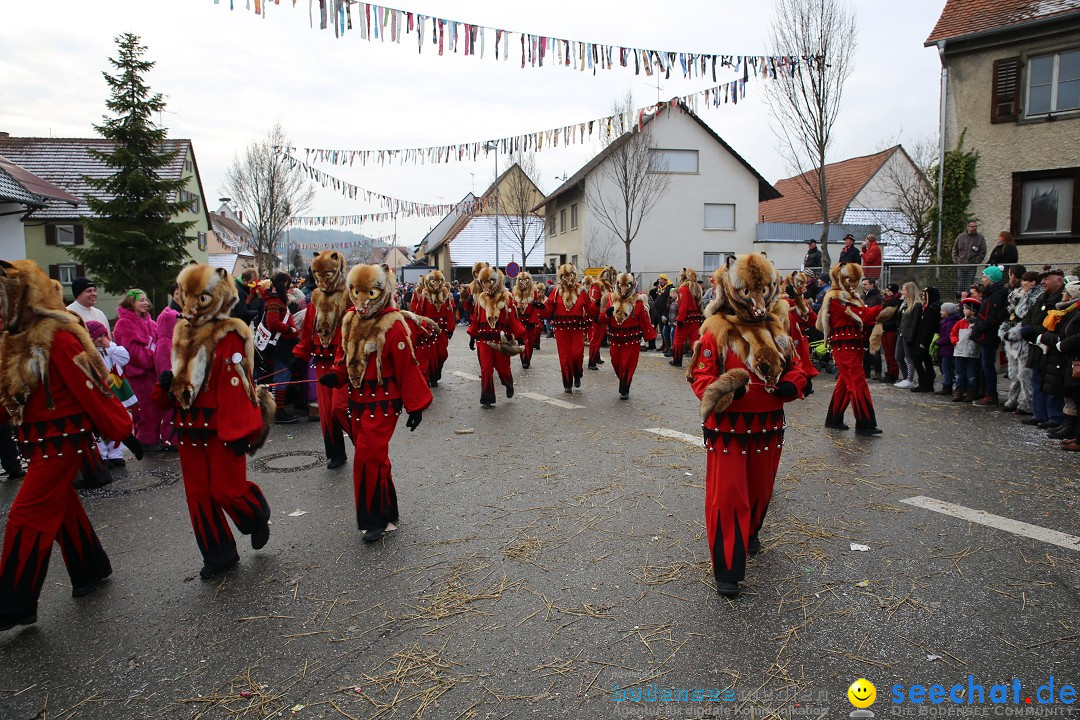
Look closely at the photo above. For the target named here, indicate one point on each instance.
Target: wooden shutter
(79, 238)
(50, 234)
(1005, 97)
(54, 272)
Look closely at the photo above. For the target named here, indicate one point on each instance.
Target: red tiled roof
(843, 181)
(968, 17)
(64, 161)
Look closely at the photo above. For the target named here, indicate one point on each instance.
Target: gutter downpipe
(941, 149)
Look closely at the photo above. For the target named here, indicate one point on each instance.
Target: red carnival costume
(55, 388)
(278, 320)
(689, 317)
(437, 305)
(377, 362)
(599, 291)
(846, 322)
(627, 320)
(802, 317)
(528, 304)
(320, 338)
(571, 313)
(494, 328)
(742, 407)
(220, 415)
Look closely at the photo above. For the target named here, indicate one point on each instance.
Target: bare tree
(628, 184)
(599, 247)
(269, 192)
(805, 103)
(517, 198)
(912, 198)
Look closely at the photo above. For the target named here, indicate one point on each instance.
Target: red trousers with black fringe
(851, 389)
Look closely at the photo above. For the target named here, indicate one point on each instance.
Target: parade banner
(392, 25)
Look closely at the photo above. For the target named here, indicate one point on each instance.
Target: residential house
(708, 211)
(229, 242)
(22, 192)
(1011, 87)
(506, 210)
(51, 230)
(393, 257)
(864, 195)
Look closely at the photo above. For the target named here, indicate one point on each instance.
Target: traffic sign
(512, 270)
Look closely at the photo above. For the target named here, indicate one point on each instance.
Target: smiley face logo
(862, 693)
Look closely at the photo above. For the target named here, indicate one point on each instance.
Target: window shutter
(80, 271)
(1005, 98)
(79, 235)
(54, 272)
(50, 234)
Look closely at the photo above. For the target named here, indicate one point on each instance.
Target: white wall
(672, 236)
(880, 193)
(12, 235)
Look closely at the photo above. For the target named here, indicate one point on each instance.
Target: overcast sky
(228, 76)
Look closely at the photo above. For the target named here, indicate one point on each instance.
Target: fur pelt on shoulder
(688, 277)
(567, 285)
(624, 297)
(524, 292)
(436, 289)
(329, 297)
(193, 354)
(363, 337)
(493, 295)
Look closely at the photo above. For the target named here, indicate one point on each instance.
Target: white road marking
(552, 401)
(676, 435)
(1070, 542)
(531, 395)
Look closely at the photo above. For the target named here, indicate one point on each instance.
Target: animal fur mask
(847, 276)
(568, 275)
(523, 282)
(206, 294)
(23, 286)
(328, 269)
(436, 288)
(746, 286)
(625, 285)
(371, 288)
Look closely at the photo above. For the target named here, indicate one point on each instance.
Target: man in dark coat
(849, 253)
(1048, 409)
(812, 260)
(985, 331)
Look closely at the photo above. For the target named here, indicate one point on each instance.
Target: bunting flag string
(392, 25)
(576, 134)
(340, 220)
(344, 244)
(395, 206)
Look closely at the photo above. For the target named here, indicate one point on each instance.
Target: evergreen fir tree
(133, 241)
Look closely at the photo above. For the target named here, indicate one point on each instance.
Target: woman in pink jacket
(166, 323)
(136, 332)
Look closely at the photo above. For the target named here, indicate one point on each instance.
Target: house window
(562, 220)
(67, 273)
(711, 261)
(573, 216)
(1053, 83)
(719, 216)
(573, 261)
(673, 161)
(551, 226)
(1044, 203)
(65, 234)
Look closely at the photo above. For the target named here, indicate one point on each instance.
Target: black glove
(238, 446)
(329, 380)
(450, 336)
(809, 389)
(738, 393)
(165, 380)
(538, 305)
(611, 311)
(1028, 332)
(132, 444)
(414, 420)
(297, 367)
(786, 390)
(472, 343)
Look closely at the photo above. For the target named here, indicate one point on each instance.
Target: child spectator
(166, 323)
(115, 357)
(136, 332)
(950, 315)
(966, 356)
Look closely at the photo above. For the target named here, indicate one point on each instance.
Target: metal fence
(951, 280)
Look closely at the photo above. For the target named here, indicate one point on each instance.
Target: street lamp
(489, 146)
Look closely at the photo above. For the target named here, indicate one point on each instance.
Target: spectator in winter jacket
(910, 312)
(812, 260)
(1068, 344)
(1016, 348)
(950, 315)
(115, 358)
(872, 297)
(166, 323)
(849, 253)
(1004, 251)
(969, 248)
(1047, 409)
(966, 357)
(246, 307)
(993, 297)
(889, 329)
(278, 321)
(136, 332)
(871, 257)
(929, 322)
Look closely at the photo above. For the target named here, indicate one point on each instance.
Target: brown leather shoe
(1070, 445)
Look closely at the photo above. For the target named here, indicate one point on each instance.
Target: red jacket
(844, 331)
(443, 315)
(689, 308)
(507, 322)
(578, 317)
(636, 327)
(277, 318)
(871, 261)
(310, 347)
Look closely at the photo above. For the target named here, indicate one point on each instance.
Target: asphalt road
(553, 561)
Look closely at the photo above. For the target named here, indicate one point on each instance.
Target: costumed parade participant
(55, 389)
(599, 290)
(377, 365)
(528, 303)
(626, 317)
(743, 371)
(571, 313)
(495, 327)
(220, 415)
(801, 318)
(846, 323)
(436, 304)
(689, 317)
(320, 338)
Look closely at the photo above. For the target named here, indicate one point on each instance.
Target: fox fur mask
(492, 295)
(436, 289)
(371, 288)
(206, 293)
(328, 269)
(747, 287)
